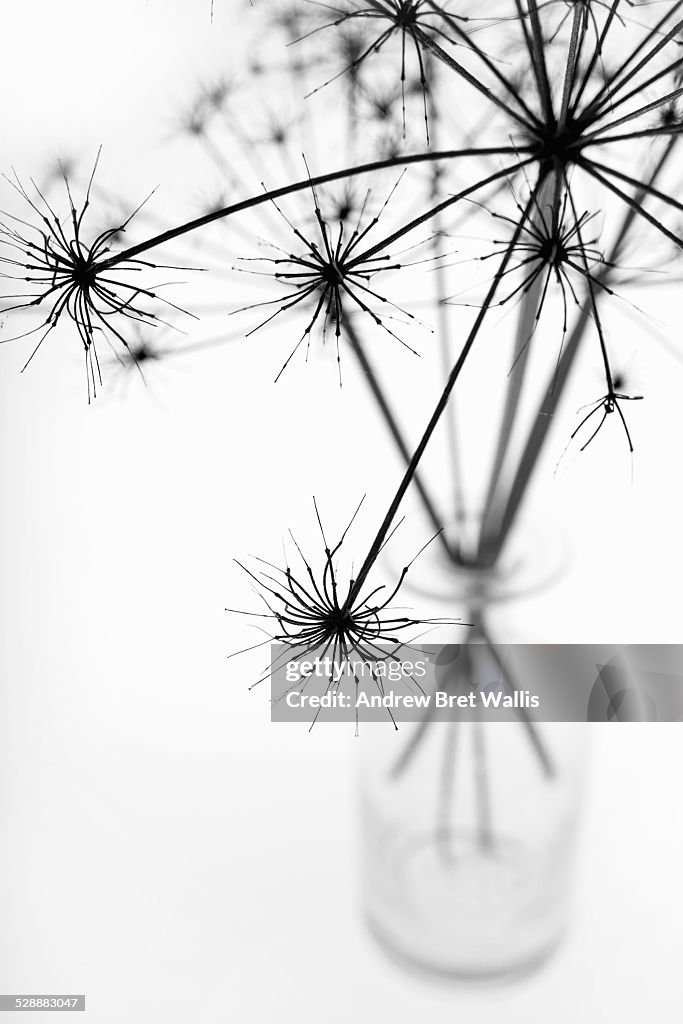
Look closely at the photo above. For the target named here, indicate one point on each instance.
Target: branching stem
(441, 404)
(268, 195)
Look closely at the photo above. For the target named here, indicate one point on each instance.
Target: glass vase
(469, 828)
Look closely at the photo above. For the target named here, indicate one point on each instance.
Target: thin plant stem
(453, 442)
(300, 186)
(635, 203)
(443, 327)
(532, 732)
(451, 62)
(645, 133)
(595, 56)
(657, 104)
(572, 61)
(394, 429)
(504, 81)
(523, 342)
(482, 786)
(446, 789)
(505, 172)
(413, 745)
(541, 426)
(440, 407)
(644, 187)
(539, 52)
(608, 88)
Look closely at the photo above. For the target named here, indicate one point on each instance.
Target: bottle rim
(535, 558)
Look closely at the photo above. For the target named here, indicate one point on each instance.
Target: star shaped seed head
(74, 279)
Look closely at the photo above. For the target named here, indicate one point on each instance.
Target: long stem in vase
(441, 405)
(373, 382)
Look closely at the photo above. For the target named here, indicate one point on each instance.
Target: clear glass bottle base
(486, 975)
(460, 906)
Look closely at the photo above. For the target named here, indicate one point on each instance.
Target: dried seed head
(311, 611)
(333, 276)
(73, 279)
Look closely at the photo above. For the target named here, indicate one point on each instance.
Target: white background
(164, 848)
